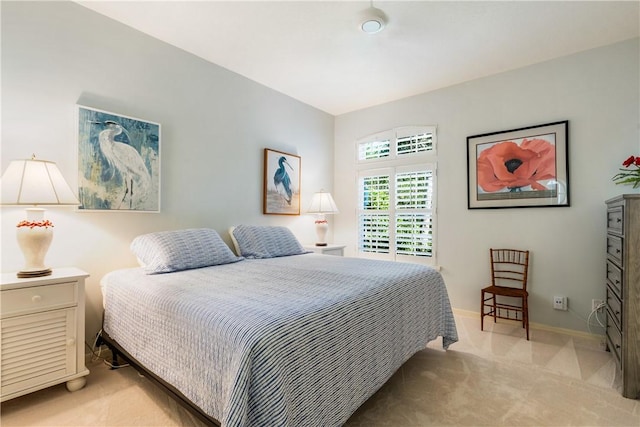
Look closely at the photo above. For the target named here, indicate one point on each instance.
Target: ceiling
(314, 51)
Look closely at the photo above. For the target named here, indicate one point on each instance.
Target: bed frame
(175, 394)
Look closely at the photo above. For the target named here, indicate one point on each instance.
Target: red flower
(631, 160)
(629, 176)
(507, 164)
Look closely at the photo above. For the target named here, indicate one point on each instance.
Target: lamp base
(321, 230)
(34, 238)
(33, 273)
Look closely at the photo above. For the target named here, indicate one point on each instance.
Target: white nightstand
(327, 250)
(42, 332)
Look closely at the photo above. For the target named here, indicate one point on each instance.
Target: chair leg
(481, 310)
(525, 315)
(495, 308)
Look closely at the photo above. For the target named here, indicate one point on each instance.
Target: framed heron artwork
(118, 162)
(281, 194)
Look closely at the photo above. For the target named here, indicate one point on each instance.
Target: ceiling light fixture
(374, 20)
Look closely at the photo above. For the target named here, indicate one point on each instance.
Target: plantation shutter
(396, 194)
(413, 216)
(374, 212)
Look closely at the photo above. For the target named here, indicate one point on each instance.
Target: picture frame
(517, 168)
(282, 171)
(118, 162)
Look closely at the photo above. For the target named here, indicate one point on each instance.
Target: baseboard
(534, 325)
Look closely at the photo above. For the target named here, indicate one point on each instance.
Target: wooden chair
(509, 273)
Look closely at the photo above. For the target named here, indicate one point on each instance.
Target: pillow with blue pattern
(260, 242)
(167, 251)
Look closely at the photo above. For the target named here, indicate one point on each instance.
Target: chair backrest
(509, 267)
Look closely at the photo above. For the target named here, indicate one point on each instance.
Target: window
(396, 195)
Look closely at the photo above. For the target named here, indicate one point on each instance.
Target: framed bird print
(281, 194)
(118, 162)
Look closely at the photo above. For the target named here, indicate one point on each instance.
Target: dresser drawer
(38, 298)
(614, 306)
(615, 219)
(614, 248)
(614, 340)
(614, 278)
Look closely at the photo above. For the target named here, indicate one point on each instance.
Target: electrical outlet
(560, 303)
(597, 304)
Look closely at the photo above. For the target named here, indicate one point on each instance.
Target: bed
(274, 337)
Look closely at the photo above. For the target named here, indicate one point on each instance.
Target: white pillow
(236, 247)
(254, 241)
(167, 251)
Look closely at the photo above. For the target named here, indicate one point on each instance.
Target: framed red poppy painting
(525, 167)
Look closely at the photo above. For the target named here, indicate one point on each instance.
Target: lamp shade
(322, 203)
(35, 182)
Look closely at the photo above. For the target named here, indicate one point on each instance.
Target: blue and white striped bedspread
(293, 341)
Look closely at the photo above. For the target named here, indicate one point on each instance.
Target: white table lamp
(35, 183)
(322, 204)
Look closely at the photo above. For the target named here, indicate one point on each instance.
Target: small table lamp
(34, 183)
(322, 204)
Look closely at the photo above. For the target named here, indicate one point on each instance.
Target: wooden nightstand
(42, 332)
(327, 250)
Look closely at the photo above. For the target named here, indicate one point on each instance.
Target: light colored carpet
(491, 378)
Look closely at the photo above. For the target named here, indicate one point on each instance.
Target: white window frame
(391, 165)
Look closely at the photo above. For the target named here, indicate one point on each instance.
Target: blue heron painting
(119, 162)
(281, 179)
(282, 183)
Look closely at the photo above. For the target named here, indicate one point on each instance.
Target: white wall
(598, 92)
(215, 125)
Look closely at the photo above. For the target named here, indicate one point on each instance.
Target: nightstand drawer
(329, 249)
(336, 251)
(38, 298)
